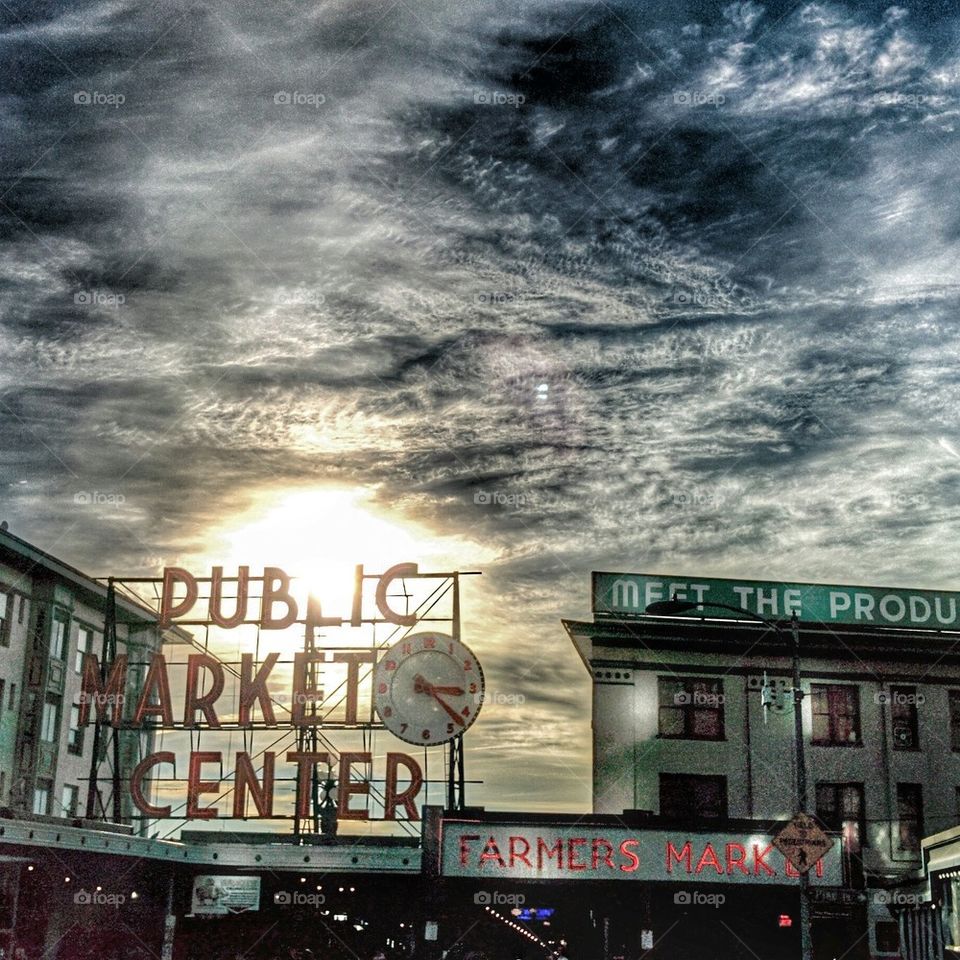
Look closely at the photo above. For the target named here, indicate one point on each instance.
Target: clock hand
(446, 706)
(422, 685)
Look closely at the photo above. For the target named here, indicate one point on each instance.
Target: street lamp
(676, 607)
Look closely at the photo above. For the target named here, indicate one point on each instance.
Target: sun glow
(319, 535)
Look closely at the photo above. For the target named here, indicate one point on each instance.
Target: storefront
(621, 887)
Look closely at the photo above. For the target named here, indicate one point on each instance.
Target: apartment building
(50, 615)
(693, 718)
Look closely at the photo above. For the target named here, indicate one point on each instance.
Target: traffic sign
(802, 842)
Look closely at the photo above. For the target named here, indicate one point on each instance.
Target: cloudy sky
(546, 286)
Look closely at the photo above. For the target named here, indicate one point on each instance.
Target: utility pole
(806, 942)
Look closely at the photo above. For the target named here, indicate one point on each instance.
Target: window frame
(691, 709)
(916, 820)
(55, 703)
(59, 651)
(852, 691)
(75, 733)
(691, 780)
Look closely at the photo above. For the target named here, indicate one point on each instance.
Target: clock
(428, 688)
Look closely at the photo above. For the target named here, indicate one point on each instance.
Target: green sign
(629, 594)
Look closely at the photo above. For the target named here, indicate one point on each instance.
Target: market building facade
(692, 717)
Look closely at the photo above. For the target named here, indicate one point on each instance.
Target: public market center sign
(626, 594)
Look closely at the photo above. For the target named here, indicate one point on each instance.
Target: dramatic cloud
(676, 289)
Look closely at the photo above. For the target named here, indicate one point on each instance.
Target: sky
(540, 288)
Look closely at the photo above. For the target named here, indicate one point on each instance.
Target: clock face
(428, 688)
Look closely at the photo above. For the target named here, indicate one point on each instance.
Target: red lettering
(464, 847)
(347, 788)
(627, 852)
(136, 783)
(758, 861)
(492, 852)
(519, 854)
(156, 679)
(169, 609)
(709, 859)
(305, 763)
(737, 862)
(192, 700)
(276, 587)
(353, 661)
(405, 797)
(572, 862)
(196, 786)
(684, 855)
(215, 607)
(549, 852)
(245, 778)
(254, 688)
(607, 854)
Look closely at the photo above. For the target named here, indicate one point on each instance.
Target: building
(51, 614)
(680, 729)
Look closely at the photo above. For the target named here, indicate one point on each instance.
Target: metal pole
(806, 942)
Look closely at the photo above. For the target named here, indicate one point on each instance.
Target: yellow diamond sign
(802, 842)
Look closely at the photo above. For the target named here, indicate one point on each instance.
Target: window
(955, 719)
(3, 683)
(841, 809)
(58, 638)
(75, 734)
(909, 816)
(12, 702)
(693, 797)
(50, 721)
(4, 620)
(691, 709)
(84, 645)
(21, 609)
(71, 799)
(41, 797)
(903, 716)
(836, 714)
(887, 935)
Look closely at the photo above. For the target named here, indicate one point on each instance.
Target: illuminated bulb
(134, 895)
(66, 879)
(30, 868)
(99, 888)
(303, 879)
